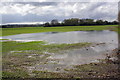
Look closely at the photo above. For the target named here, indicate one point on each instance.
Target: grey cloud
(9, 18)
(31, 3)
(89, 12)
(96, 5)
(16, 18)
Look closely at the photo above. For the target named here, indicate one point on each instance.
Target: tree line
(20, 25)
(65, 22)
(78, 22)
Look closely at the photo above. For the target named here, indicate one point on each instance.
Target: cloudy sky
(44, 11)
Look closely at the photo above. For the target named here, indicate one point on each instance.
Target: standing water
(68, 37)
(66, 58)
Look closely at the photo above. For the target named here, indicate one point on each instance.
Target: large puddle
(58, 62)
(68, 37)
(105, 41)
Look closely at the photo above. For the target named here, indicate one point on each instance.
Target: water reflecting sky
(68, 37)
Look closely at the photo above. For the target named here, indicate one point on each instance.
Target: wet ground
(65, 61)
(58, 62)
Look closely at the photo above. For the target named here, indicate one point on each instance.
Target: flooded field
(62, 50)
(67, 58)
(68, 37)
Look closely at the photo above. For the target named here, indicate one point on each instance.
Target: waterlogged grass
(13, 31)
(17, 56)
(38, 46)
(19, 46)
(4, 39)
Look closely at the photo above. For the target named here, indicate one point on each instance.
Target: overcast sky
(15, 12)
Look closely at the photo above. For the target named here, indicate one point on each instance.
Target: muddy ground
(31, 64)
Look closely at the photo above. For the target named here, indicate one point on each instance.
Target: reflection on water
(68, 37)
(83, 55)
(62, 60)
(67, 58)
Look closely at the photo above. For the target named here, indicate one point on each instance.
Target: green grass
(4, 39)
(18, 46)
(37, 46)
(13, 31)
